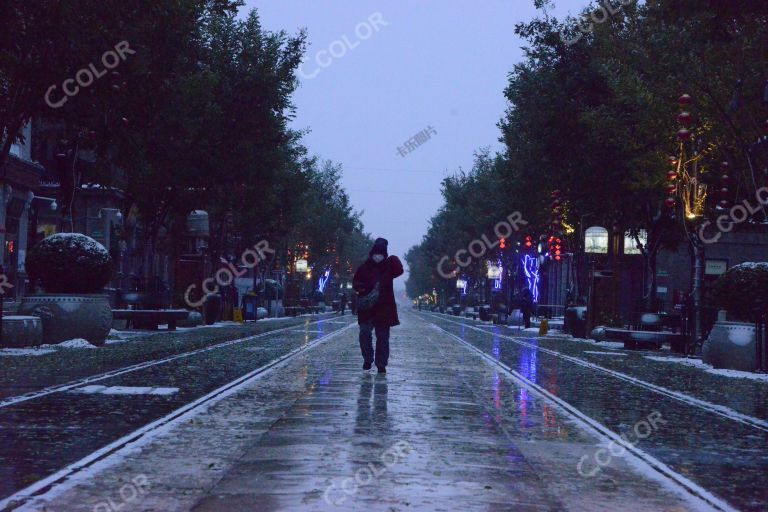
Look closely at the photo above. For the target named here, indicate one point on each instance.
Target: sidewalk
(441, 431)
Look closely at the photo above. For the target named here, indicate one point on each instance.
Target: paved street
(469, 417)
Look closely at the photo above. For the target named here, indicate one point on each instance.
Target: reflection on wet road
(442, 430)
(718, 450)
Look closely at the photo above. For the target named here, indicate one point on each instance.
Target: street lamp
(301, 266)
(494, 272)
(596, 240)
(54, 204)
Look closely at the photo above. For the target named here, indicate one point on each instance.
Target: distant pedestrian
(526, 306)
(376, 308)
(343, 303)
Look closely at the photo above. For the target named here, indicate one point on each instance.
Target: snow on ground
(25, 351)
(45, 349)
(603, 344)
(604, 353)
(76, 343)
(698, 363)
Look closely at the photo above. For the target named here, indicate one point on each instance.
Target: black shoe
(367, 366)
(382, 369)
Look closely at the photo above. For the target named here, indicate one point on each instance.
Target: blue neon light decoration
(531, 267)
(498, 282)
(323, 280)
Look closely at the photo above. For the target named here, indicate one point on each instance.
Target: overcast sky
(413, 65)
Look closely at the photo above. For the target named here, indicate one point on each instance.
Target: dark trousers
(382, 344)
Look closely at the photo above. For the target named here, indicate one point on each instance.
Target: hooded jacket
(384, 313)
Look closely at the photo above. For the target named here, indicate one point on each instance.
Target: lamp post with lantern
(685, 184)
(596, 242)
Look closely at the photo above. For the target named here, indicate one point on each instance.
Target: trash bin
(576, 321)
(212, 309)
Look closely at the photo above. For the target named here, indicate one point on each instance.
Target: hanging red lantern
(724, 166)
(724, 191)
(724, 204)
(671, 188)
(685, 118)
(672, 160)
(684, 134)
(669, 202)
(685, 100)
(725, 179)
(555, 193)
(125, 122)
(671, 175)
(765, 125)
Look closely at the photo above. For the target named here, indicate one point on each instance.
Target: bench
(150, 319)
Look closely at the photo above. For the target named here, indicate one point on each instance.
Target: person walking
(526, 307)
(376, 308)
(343, 303)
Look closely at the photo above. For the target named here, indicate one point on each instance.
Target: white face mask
(378, 258)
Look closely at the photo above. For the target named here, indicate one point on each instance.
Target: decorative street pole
(685, 183)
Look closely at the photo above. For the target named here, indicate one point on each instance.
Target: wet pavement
(716, 434)
(26, 374)
(46, 432)
(444, 429)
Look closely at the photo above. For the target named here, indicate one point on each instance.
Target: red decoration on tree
(685, 118)
(671, 175)
(669, 202)
(684, 134)
(724, 204)
(672, 160)
(671, 188)
(685, 100)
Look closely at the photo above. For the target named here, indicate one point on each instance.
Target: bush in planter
(73, 270)
(69, 263)
(741, 289)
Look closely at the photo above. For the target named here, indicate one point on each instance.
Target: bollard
(544, 327)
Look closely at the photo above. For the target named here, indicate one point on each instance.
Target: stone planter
(731, 345)
(22, 331)
(67, 317)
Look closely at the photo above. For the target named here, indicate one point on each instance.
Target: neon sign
(531, 268)
(323, 280)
